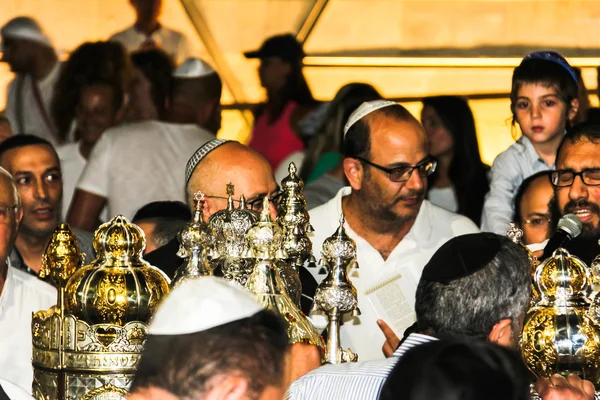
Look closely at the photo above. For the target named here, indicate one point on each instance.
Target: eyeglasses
(538, 222)
(256, 203)
(403, 174)
(5, 213)
(565, 177)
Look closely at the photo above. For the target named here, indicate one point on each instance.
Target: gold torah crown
(560, 335)
(88, 345)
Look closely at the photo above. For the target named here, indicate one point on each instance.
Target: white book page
(393, 300)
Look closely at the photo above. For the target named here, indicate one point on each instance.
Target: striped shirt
(360, 381)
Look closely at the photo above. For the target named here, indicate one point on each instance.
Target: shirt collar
(531, 153)
(413, 340)
(420, 231)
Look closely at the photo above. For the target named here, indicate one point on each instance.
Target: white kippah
(199, 155)
(193, 68)
(25, 28)
(200, 304)
(365, 109)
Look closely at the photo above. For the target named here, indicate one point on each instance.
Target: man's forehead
(30, 157)
(583, 153)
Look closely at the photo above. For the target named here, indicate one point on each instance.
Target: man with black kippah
(476, 285)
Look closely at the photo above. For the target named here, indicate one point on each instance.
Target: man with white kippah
(396, 230)
(21, 294)
(147, 32)
(29, 52)
(211, 340)
(136, 164)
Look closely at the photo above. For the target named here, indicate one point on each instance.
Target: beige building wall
(379, 26)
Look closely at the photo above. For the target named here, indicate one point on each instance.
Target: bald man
(232, 162)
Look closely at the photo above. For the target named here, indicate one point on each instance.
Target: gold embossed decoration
(336, 295)
(62, 256)
(89, 347)
(264, 240)
(560, 335)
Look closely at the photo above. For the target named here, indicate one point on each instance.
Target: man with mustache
(576, 184)
(35, 168)
(395, 229)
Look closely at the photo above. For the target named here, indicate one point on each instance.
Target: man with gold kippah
(396, 230)
(135, 164)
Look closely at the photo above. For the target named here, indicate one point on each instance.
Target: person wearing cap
(275, 134)
(30, 55)
(396, 230)
(142, 162)
(147, 32)
(211, 340)
(476, 286)
(21, 294)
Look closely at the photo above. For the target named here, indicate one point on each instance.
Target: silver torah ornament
(196, 246)
(336, 295)
(230, 227)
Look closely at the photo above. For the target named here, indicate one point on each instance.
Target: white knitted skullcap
(25, 28)
(193, 68)
(200, 304)
(199, 155)
(365, 109)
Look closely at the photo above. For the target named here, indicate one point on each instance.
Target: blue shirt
(360, 381)
(510, 168)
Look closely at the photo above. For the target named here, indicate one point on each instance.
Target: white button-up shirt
(432, 228)
(22, 295)
(174, 43)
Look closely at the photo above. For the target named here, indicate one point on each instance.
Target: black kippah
(462, 256)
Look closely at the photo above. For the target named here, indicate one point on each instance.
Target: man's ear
(573, 109)
(229, 388)
(502, 333)
(354, 172)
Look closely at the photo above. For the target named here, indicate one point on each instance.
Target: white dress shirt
(347, 381)
(171, 41)
(22, 295)
(33, 121)
(432, 228)
(138, 163)
(509, 170)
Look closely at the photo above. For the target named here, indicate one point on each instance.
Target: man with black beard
(577, 186)
(396, 230)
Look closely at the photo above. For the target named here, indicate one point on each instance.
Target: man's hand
(559, 388)
(391, 340)
(302, 359)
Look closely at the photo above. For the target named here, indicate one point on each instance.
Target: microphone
(569, 227)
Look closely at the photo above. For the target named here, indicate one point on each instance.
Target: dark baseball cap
(285, 47)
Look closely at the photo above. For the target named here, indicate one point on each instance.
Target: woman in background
(275, 134)
(460, 181)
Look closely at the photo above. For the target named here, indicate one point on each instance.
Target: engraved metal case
(559, 334)
(196, 246)
(515, 234)
(230, 227)
(89, 344)
(336, 295)
(264, 241)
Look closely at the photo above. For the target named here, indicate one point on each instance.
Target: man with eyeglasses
(396, 230)
(576, 184)
(21, 294)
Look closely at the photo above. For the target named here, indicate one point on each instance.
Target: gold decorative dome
(119, 286)
(62, 256)
(562, 278)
